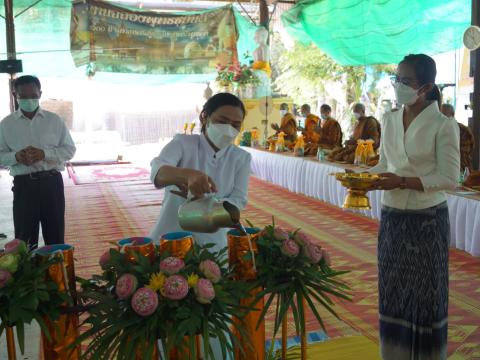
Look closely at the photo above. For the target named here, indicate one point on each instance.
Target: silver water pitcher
(207, 215)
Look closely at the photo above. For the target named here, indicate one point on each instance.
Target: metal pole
(476, 89)
(11, 51)
(263, 13)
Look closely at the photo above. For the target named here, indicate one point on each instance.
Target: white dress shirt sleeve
(64, 151)
(239, 194)
(170, 155)
(7, 156)
(447, 146)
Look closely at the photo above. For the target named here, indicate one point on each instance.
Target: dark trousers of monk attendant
(39, 199)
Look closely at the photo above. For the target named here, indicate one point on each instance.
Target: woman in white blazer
(420, 159)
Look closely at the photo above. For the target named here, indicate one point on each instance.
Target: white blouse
(429, 149)
(229, 168)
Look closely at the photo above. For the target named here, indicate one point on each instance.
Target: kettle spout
(233, 211)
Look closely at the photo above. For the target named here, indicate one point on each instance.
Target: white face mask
(283, 112)
(404, 94)
(323, 116)
(357, 115)
(221, 135)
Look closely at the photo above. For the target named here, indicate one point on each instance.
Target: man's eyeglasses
(404, 80)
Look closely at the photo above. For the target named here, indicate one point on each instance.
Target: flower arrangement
(134, 304)
(292, 268)
(25, 292)
(236, 74)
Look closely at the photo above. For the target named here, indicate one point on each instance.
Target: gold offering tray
(358, 184)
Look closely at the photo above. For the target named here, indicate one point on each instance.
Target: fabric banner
(117, 39)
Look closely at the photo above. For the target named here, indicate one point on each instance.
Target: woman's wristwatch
(403, 183)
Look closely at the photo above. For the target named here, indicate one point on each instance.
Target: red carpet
(106, 173)
(102, 212)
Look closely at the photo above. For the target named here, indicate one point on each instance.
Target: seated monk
(467, 140)
(331, 132)
(467, 146)
(473, 180)
(311, 134)
(366, 128)
(288, 127)
(307, 115)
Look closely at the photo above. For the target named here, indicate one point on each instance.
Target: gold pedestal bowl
(358, 184)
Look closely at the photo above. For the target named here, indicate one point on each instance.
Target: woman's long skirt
(413, 283)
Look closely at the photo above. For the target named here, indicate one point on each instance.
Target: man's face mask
(28, 105)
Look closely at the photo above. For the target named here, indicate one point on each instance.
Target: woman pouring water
(199, 165)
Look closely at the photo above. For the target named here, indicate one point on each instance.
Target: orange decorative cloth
(262, 65)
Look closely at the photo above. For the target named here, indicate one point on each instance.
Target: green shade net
(42, 36)
(363, 32)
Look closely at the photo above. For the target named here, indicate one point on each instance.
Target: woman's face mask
(221, 135)
(404, 94)
(282, 113)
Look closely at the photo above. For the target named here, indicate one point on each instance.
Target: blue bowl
(50, 249)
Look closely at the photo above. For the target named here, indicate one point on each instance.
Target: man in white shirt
(34, 145)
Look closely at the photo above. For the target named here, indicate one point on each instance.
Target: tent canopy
(364, 32)
(43, 44)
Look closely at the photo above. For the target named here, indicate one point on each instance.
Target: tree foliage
(304, 71)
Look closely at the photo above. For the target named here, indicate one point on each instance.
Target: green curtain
(363, 32)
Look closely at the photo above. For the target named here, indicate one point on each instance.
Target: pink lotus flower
(145, 301)
(302, 239)
(15, 246)
(204, 291)
(104, 259)
(326, 257)
(171, 265)
(211, 270)
(5, 277)
(9, 262)
(175, 287)
(290, 248)
(126, 286)
(280, 234)
(313, 253)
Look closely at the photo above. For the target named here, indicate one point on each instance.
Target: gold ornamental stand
(239, 245)
(12, 355)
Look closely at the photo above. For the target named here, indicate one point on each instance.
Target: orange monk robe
(467, 145)
(366, 128)
(311, 134)
(289, 127)
(331, 134)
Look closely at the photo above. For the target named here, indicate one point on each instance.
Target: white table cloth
(310, 177)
